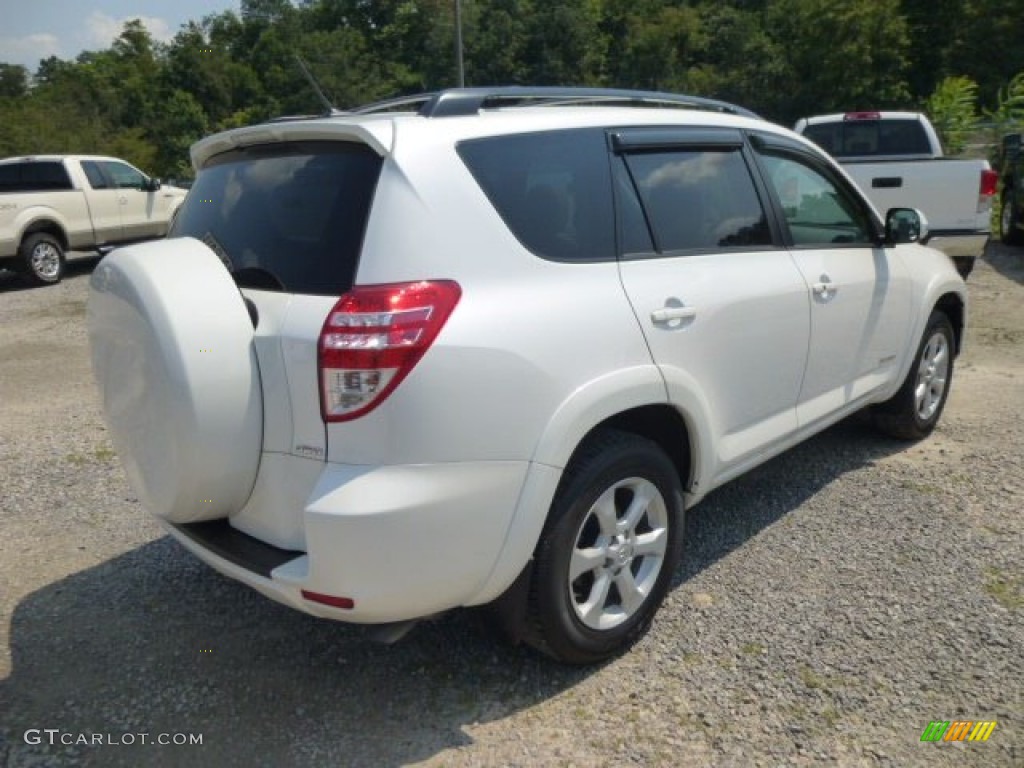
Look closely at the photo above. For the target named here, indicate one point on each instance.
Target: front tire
(43, 259)
(913, 412)
(606, 558)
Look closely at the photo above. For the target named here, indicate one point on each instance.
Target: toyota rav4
(485, 346)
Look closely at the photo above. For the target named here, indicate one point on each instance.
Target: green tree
(934, 30)
(653, 45)
(839, 56)
(738, 60)
(988, 45)
(953, 111)
(1008, 114)
(13, 81)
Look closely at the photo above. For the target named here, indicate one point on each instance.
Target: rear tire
(913, 412)
(1009, 222)
(43, 260)
(608, 551)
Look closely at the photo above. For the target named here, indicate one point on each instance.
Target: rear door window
(285, 216)
(552, 189)
(699, 199)
(94, 174)
(34, 176)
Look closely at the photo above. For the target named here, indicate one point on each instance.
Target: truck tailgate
(945, 190)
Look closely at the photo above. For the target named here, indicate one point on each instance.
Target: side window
(634, 235)
(95, 176)
(817, 210)
(124, 176)
(49, 176)
(552, 189)
(699, 198)
(34, 176)
(10, 177)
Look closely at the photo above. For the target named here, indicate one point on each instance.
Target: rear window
(552, 189)
(35, 176)
(285, 217)
(858, 138)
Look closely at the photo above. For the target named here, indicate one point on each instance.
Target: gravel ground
(833, 602)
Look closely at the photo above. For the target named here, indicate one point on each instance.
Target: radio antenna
(329, 109)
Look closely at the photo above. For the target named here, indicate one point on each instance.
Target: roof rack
(469, 101)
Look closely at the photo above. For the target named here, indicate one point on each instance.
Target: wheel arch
(952, 306)
(659, 421)
(47, 226)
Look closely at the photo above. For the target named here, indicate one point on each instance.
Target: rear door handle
(666, 315)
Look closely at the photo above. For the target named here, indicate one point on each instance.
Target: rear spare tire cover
(173, 355)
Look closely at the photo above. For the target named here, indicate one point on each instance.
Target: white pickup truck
(896, 158)
(50, 204)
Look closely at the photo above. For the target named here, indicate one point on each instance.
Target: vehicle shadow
(77, 264)
(155, 642)
(1007, 260)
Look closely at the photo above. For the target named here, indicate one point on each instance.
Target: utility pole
(458, 43)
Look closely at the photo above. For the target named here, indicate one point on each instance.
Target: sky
(31, 30)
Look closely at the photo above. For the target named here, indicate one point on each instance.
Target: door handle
(887, 182)
(825, 288)
(667, 314)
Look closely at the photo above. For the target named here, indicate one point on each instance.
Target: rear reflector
(335, 602)
(989, 182)
(987, 189)
(374, 337)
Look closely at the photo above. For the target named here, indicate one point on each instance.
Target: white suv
(485, 346)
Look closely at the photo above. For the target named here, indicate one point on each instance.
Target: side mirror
(152, 185)
(906, 225)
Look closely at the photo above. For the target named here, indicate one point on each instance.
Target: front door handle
(825, 289)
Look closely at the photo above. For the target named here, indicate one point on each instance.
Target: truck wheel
(608, 551)
(913, 412)
(1009, 222)
(43, 258)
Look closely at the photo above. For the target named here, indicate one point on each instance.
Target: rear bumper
(959, 242)
(400, 542)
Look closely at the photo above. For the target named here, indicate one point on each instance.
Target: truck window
(94, 174)
(859, 138)
(34, 176)
(124, 176)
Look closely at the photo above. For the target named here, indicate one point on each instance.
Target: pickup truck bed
(897, 160)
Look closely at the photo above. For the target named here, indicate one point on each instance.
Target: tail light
(373, 337)
(987, 188)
